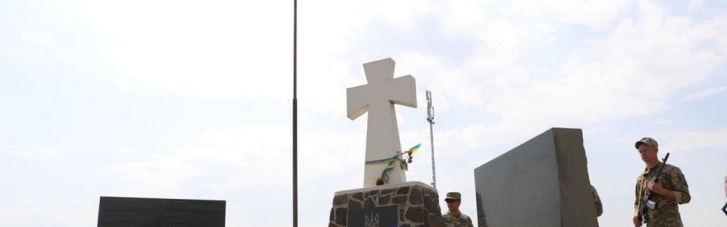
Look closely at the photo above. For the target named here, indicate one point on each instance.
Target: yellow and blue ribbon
(392, 162)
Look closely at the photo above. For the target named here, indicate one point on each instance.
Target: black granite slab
(542, 182)
(157, 212)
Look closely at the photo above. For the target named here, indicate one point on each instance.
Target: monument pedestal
(406, 204)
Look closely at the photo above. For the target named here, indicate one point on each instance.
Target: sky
(193, 100)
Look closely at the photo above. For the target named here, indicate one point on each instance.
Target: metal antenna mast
(430, 119)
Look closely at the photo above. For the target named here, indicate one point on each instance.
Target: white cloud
(261, 154)
(595, 14)
(694, 4)
(158, 172)
(30, 151)
(53, 211)
(214, 50)
(27, 45)
(634, 71)
(705, 94)
(230, 49)
(400, 12)
(252, 150)
(464, 16)
(696, 140)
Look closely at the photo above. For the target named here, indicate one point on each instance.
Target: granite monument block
(152, 212)
(542, 182)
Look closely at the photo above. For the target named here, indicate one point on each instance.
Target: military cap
(648, 141)
(453, 196)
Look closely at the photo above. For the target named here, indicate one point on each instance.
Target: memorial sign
(151, 212)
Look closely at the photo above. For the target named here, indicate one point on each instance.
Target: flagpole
(295, 113)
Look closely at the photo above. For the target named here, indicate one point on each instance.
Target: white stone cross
(378, 98)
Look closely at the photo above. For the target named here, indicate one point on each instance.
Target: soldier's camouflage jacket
(597, 200)
(450, 220)
(666, 213)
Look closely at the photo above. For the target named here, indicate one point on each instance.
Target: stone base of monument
(404, 204)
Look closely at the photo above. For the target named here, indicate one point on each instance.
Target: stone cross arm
(401, 91)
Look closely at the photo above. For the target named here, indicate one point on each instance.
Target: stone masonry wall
(417, 205)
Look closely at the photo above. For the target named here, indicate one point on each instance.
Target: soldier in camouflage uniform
(597, 200)
(668, 193)
(453, 217)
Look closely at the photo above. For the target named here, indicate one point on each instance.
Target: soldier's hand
(637, 222)
(655, 187)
